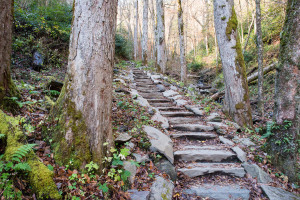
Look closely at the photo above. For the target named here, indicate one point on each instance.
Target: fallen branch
(217, 95)
(267, 69)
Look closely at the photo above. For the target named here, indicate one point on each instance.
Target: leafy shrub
(123, 47)
(195, 66)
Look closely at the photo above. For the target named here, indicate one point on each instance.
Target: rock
(131, 167)
(195, 135)
(159, 118)
(218, 125)
(119, 80)
(130, 146)
(221, 131)
(139, 195)
(226, 141)
(160, 142)
(37, 61)
(172, 87)
(242, 156)
(214, 117)
(119, 90)
(157, 82)
(238, 128)
(274, 193)
(199, 169)
(245, 141)
(220, 192)
(155, 77)
(139, 99)
(161, 189)
(204, 155)
(181, 102)
(183, 120)
(151, 111)
(55, 85)
(123, 137)
(165, 166)
(161, 88)
(177, 114)
(176, 97)
(256, 172)
(195, 110)
(169, 93)
(193, 127)
(141, 158)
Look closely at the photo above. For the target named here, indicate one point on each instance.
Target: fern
(22, 166)
(22, 152)
(2, 136)
(269, 129)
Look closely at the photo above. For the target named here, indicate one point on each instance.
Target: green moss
(231, 24)
(71, 144)
(223, 18)
(239, 106)
(40, 177)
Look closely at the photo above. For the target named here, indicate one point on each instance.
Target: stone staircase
(199, 151)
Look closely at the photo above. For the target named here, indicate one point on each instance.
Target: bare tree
(259, 60)
(161, 46)
(84, 130)
(183, 74)
(7, 87)
(145, 32)
(284, 144)
(237, 103)
(136, 27)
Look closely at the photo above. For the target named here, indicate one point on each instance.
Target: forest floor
(128, 116)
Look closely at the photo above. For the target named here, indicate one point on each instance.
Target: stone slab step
(177, 114)
(161, 104)
(183, 120)
(204, 155)
(159, 101)
(192, 127)
(156, 95)
(195, 135)
(170, 108)
(208, 147)
(200, 169)
(147, 91)
(219, 192)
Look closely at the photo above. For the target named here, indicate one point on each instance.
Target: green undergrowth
(19, 160)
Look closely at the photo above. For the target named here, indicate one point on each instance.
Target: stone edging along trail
(210, 166)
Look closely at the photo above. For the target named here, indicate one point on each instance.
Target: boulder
(172, 87)
(181, 102)
(256, 172)
(164, 165)
(37, 61)
(124, 90)
(141, 158)
(123, 137)
(139, 195)
(169, 93)
(226, 141)
(161, 88)
(214, 117)
(274, 193)
(195, 110)
(160, 142)
(161, 189)
(242, 156)
(131, 167)
(159, 118)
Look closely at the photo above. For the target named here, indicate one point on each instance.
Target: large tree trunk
(145, 33)
(7, 87)
(284, 143)
(181, 43)
(84, 130)
(161, 46)
(136, 27)
(259, 61)
(236, 103)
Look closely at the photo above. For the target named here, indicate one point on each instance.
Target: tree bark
(84, 130)
(145, 32)
(161, 46)
(284, 144)
(237, 103)
(7, 87)
(136, 27)
(260, 60)
(249, 32)
(181, 43)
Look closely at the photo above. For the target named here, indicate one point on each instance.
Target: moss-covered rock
(40, 177)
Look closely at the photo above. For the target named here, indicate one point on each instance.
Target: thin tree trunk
(161, 46)
(259, 60)
(136, 31)
(145, 33)
(284, 144)
(249, 32)
(237, 103)
(7, 87)
(181, 43)
(84, 130)
(266, 70)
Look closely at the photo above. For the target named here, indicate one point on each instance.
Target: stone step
(192, 127)
(171, 109)
(161, 104)
(205, 155)
(159, 101)
(183, 120)
(219, 192)
(195, 135)
(208, 147)
(147, 91)
(150, 96)
(200, 169)
(177, 114)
